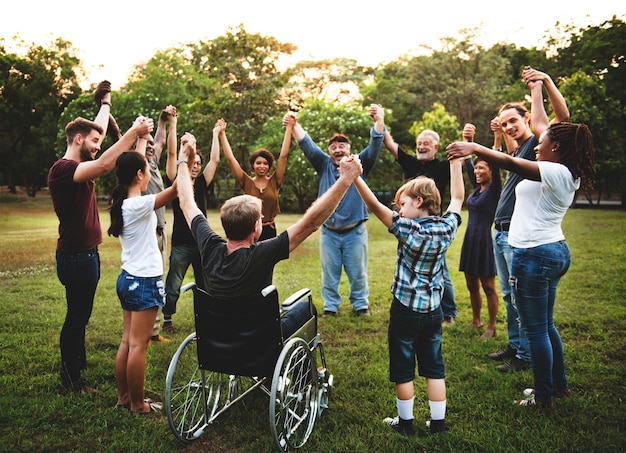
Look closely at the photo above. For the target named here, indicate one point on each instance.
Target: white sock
(437, 410)
(405, 408)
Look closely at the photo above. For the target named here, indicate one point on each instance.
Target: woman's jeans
(79, 273)
(535, 275)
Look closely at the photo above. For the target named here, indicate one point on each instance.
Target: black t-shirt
(437, 170)
(181, 234)
(243, 273)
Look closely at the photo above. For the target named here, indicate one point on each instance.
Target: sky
(113, 36)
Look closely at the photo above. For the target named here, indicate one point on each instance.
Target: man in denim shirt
(343, 237)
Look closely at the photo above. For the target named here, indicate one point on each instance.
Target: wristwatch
(180, 161)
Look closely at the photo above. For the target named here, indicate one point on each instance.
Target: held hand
(459, 149)
(220, 126)
(468, 132)
(350, 167)
(143, 126)
(188, 149)
(103, 93)
(377, 112)
(290, 119)
(168, 112)
(495, 125)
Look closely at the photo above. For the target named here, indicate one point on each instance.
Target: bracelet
(497, 149)
(105, 103)
(181, 161)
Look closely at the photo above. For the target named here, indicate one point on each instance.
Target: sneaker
(564, 393)
(532, 402)
(437, 426)
(514, 364)
(399, 425)
(364, 312)
(168, 327)
(329, 313)
(505, 354)
(448, 321)
(154, 339)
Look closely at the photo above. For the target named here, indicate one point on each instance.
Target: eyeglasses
(197, 163)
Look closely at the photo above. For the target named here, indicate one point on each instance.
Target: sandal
(153, 405)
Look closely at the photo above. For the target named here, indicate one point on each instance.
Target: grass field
(590, 315)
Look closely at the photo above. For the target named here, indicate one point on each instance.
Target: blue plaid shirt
(422, 243)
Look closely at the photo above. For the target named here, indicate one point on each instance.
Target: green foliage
(36, 83)
(236, 77)
(588, 103)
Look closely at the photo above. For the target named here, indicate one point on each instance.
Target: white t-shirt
(541, 205)
(140, 251)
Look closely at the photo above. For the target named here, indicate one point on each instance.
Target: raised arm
(378, 116)
(168, 115)
(95, 168)
(235, 167)
(457, 187)
(281, 165)
(323, 207)
(214, 157)
(390, 144)
(525, 168)
(384, 213)
(561, 113)
(172, 145)
(102, 96)
(183, 180)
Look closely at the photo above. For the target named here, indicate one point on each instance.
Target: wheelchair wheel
(293, 396)
(184, 392)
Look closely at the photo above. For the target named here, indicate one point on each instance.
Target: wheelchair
(237, 348)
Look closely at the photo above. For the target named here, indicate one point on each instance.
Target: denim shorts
(414, 337)
(140, 293)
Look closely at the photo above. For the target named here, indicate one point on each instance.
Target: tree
(464, 77)
(588, 103)
(36, 84)
(335, 80)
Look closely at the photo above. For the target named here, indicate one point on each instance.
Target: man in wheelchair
(240, 266)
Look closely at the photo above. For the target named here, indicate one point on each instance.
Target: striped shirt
(422, 243)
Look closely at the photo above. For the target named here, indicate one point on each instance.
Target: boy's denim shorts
(140, 293)
(414, 337)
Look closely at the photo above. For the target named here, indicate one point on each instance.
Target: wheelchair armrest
(295, 297)
(187, 287)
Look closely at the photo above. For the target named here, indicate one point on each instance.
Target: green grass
(590, 313)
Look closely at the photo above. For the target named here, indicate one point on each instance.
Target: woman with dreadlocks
(540, 253)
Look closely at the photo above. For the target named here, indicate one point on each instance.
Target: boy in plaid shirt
(415, 315)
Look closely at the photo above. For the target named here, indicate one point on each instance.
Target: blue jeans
(181, 257)
(347, 250)
(504, 255)
(535, 274)
(79, 273)
(447, 301)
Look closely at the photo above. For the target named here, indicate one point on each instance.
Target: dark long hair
(126, 167)
(576, 149)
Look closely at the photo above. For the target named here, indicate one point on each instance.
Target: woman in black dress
(477, 259)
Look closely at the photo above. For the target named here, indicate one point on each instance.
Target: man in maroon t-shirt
(71, 181)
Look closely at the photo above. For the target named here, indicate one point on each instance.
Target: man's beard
(85, 154)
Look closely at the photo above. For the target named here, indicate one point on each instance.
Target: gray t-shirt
(504, 211)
